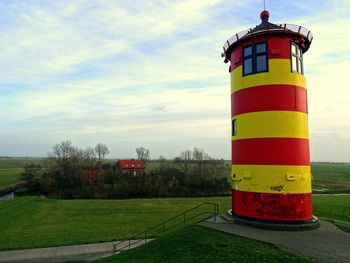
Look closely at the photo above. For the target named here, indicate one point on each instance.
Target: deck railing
(283, 27)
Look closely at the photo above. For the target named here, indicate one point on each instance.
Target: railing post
(214, 213)
(138, 237)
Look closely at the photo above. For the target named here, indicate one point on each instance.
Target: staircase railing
(168, 225)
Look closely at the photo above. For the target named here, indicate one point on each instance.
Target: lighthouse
(271, 175)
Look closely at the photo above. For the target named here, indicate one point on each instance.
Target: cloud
(148, 72)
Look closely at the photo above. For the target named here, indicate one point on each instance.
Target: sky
(149, 73)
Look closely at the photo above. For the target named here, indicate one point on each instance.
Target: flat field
(27, 222)
(11, 168)
(9, 176)
(331, 177)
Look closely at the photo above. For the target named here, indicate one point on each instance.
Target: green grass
(336, 208)
(9, 176)
(18, 162)
(199, 244)
(11, 168)
(28, 222)
(331, 177)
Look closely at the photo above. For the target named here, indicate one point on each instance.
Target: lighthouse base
(313, 223)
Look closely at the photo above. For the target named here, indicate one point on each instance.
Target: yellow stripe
(272, 124)
(282, 179)
(279, 73)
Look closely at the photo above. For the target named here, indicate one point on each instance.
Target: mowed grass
(336, 208)
(199, 244)
(331, 177)
(9, 176)
(28, 222)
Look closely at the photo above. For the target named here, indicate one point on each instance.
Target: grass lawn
(199, 244)
(27, 222)
(9, 176)
(336, 208)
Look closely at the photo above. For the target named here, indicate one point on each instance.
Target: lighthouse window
(234, 127)
(248, 66)
(248, 51)
(261, 63)
(261, 48)
(255, 58)
(297, 59)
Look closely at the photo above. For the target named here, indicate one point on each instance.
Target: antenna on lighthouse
(264, 5)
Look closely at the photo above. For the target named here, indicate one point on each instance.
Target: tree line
(64, 173)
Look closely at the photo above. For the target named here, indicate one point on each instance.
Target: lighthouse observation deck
(273, 28)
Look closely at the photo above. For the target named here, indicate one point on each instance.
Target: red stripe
(271, 151)
(281, 207)
(278, 47)
(269, 98)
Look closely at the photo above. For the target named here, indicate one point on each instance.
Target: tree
(89, 158)
(199, 156)
(102, 151)
(66, 155)
(62, 150)
(143, 154)
(31, 174)
(186, 158)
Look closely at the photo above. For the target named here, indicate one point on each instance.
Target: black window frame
(234, 127)
(254, 55)
(298, 56)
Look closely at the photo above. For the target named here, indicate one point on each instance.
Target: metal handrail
(135, 240)
(300, 30)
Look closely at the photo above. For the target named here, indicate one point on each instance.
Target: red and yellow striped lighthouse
(270, 135)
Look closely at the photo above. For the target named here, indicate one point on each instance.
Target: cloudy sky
(149, 73)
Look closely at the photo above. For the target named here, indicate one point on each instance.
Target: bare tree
(65, 153)
(102, 151)
(199, 156)
(143, 153)
(186, 158)
(89, 158)
(63, 150)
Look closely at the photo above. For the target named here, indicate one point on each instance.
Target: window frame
(299, 59)
(234, 127)
(254, 56)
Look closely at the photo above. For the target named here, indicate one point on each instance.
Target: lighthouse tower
(271, 177)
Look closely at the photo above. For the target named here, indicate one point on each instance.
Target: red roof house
(130, 167)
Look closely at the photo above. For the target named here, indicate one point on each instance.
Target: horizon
(151, 159)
